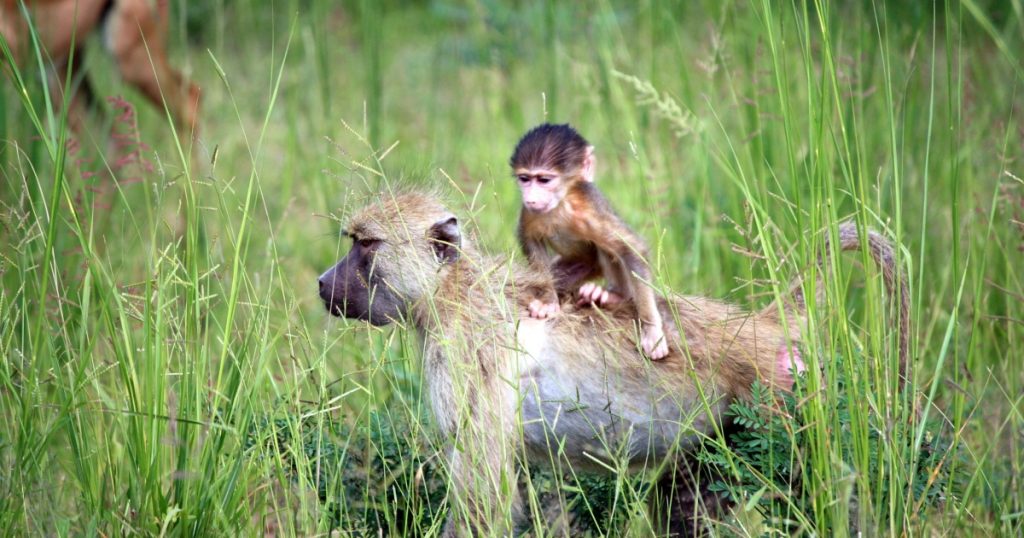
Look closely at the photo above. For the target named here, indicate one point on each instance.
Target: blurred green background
(166, 358)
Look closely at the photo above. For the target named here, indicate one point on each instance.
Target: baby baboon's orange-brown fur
(566, 226)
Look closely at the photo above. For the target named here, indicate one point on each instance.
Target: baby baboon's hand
(540, 310)
(653, 342)
(591, 293)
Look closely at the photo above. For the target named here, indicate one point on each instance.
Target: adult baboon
(135, 34)
(572, 387)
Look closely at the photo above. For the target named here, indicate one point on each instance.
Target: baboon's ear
(587, 170)
(445, 239)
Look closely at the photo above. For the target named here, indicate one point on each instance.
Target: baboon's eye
(367, 243)
(543, 180)
(524, 179)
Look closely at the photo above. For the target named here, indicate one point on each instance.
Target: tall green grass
(168, 369)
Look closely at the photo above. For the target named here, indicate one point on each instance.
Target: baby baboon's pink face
(542, 189)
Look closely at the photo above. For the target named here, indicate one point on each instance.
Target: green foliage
(368, 477)
(764, 456)
(384, 474)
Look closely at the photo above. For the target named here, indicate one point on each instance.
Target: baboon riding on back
(574, 387)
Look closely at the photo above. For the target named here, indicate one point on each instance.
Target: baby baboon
(565, 213)
(563, 389)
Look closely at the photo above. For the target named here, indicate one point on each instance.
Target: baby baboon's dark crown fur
(549, 145)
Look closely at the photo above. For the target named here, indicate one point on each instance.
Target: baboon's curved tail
(882, 251)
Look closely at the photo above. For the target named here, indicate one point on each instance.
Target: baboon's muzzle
(349, 290)
(328, 282)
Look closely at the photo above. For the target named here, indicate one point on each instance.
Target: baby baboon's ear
(587, 170)
(445, 239)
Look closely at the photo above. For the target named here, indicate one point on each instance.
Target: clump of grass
(371, 476)
(762, 456)
(386, 474)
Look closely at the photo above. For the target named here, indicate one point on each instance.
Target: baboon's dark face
(399, 246)
(354, 288)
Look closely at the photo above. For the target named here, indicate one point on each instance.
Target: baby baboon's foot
(591, 293)
(540, 310)
(653, 342)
